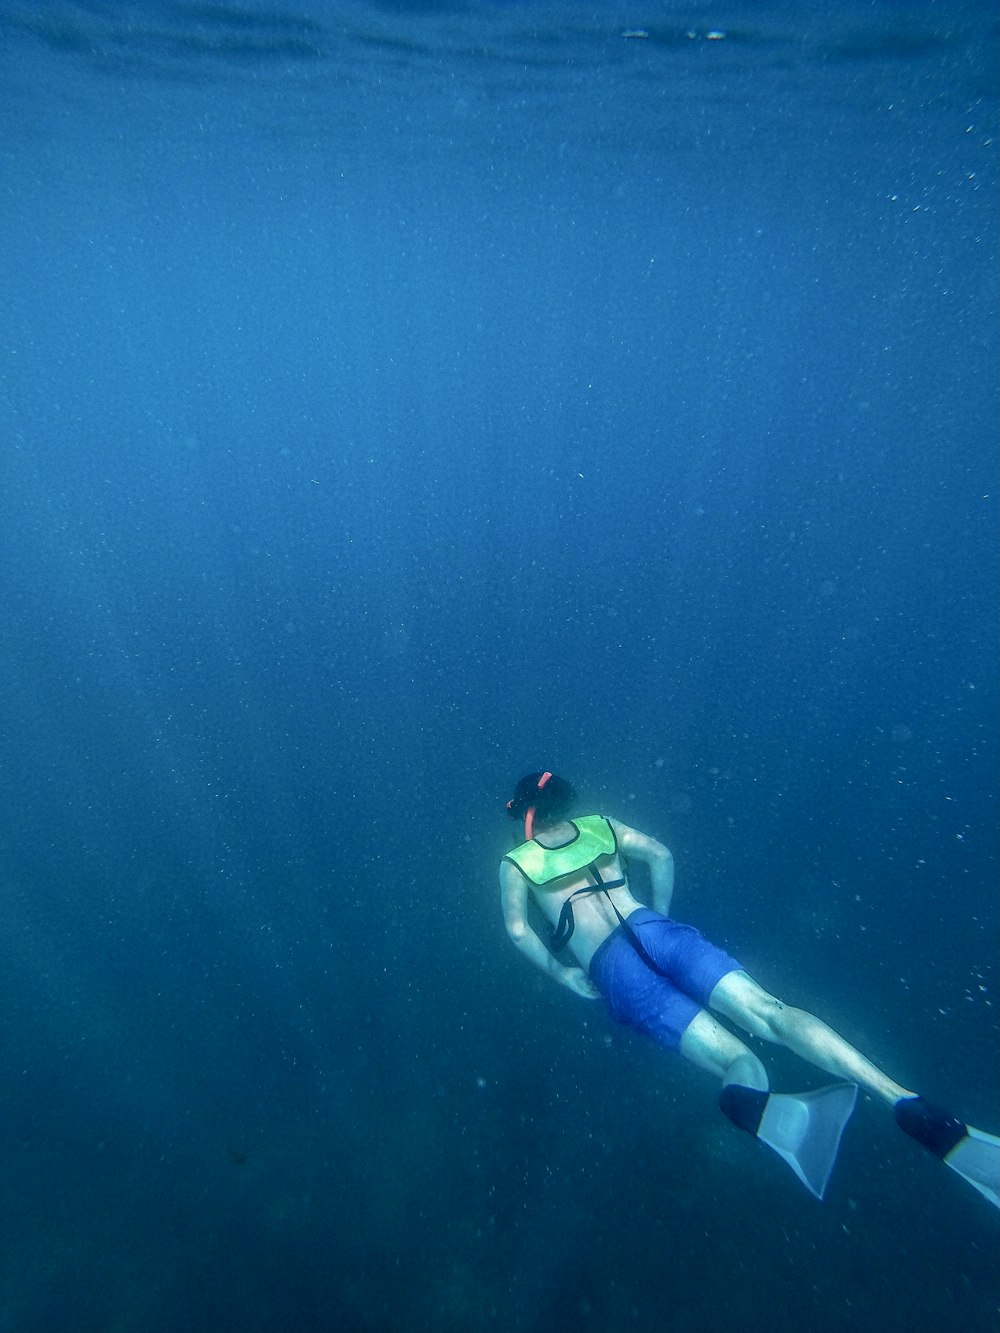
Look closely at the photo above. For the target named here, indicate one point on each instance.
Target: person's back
(570, 868)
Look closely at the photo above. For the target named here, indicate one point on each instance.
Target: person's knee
(758, 1012)
(710, 1046)
(747, 1070)
(787, 1025)
(771, 1019)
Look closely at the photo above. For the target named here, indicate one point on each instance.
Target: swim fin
(970, 1152)
(802, 1128)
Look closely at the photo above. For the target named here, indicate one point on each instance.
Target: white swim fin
(803, 1128)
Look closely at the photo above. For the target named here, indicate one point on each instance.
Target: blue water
(396, 399)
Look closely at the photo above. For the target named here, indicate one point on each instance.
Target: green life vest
(541, 865)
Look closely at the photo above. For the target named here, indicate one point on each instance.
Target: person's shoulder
(510, 871)
(620, 827)
(635, 841)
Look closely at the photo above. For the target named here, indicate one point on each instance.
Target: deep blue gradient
(396, 399)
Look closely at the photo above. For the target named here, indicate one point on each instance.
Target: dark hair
(552, 800)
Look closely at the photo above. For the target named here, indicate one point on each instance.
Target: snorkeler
(662, 978)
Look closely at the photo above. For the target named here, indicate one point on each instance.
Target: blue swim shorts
(658, 994)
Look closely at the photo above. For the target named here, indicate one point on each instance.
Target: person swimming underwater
(663, 978)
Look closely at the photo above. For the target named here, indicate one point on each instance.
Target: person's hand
(577, 980)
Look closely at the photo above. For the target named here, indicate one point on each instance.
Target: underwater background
(397, 398)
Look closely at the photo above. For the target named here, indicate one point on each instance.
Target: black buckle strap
(564, 930)
(567, 923)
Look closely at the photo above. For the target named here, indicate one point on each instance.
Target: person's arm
(514, 899)
(638, 846)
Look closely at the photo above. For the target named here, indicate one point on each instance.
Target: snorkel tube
(529, 814)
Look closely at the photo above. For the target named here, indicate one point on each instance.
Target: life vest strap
(567, 922)
(564, 930)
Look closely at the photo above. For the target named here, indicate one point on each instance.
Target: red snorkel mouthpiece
(529, 814)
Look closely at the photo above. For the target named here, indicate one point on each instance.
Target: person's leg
(803, 1129)
(739, 997)
(970, 1152)
(710, 1046)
